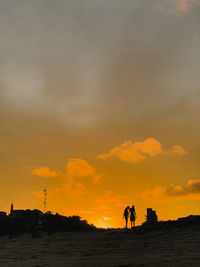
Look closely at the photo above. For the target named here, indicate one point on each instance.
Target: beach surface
(174, 247)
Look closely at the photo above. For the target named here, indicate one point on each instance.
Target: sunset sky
(100, 103)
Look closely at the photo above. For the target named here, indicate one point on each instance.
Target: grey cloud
(103, 64)
(193, 186)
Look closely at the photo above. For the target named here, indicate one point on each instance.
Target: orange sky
(99, 102)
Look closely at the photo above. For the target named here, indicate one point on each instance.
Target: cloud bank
(173, 192)
(78, 167)
(72, 186)
(138, 151)
(44, 172)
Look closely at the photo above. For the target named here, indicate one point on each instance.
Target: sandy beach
(175, 247)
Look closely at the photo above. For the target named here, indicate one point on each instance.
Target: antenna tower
(45, 199)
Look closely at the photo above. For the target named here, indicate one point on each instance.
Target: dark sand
(176, 247)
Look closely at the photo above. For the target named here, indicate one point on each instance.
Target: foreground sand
(177, 247)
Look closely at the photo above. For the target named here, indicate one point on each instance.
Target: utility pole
(45, 199)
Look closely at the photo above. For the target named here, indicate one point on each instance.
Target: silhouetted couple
(130, 212)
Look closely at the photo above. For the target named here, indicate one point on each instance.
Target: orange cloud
(134, 152)
(138, 151)
(157, 195)
(177, 150)
(173, 192)
(78, 167)
(74, 188)
(69, 188)
(111, 198)
(44, 172)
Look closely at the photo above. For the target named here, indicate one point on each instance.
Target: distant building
(151, 216)
(37, 212)
(14, 212)
(2, 214)
(20, 213)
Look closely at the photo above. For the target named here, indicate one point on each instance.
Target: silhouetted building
(35, 222)
(14, 212)
(37, 212)
(11, 208)
(151, 216)
(2, 214)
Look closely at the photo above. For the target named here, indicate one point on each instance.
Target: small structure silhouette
(151, 217)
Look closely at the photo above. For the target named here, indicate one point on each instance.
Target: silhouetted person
(126, 214)
(132, 216)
